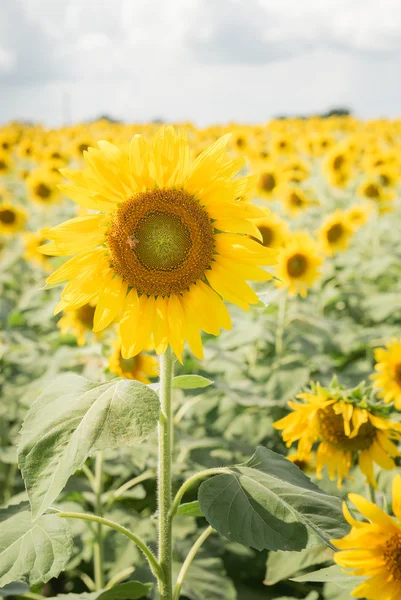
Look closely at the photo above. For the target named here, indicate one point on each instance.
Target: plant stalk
(98, 546)
(188, 561)
(164, 474)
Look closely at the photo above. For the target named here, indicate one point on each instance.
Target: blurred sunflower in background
(12, 218)
(336, 232)
(372, 190)
(373, 547)
(345, 432)
(298, 265)
(172, 243)
(294, 199)
(142, 367)
(78, 322)
(274, 230)
(32, 241)
(42, 185)
(387, 380)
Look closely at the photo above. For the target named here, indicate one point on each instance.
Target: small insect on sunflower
(372, 549)
(336, 233)
(141, 367)
(170, 243)
(344, 431)
(12, 218)
(388, 377)
(298, 264)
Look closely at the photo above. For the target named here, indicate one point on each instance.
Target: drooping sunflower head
(42, 185)
(336, 232)
(171, 240)
(141, 367)
(345, 432)
(299, 264)
(387, 380)
(372, 549)
(12, 218)
(274, 230)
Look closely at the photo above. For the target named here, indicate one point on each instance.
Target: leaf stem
(152, 560)
(190, 482)
(119, 577)
(129, 484)
(98, 546)
(188, 561)
(164, 474)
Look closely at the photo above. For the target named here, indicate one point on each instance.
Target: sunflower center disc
(398, 373)
(42, 190)
(335, 233)
(7, 216)
(267, 182)
(85, 315)
(297, 265)
(267, 235)
(392, 556)
(331, 428)
(161, 241)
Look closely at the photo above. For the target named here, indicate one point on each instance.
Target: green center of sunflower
(331, 429)
(7, 216)
(43, 191)
(392, 556)
(267, 182)
(267, 235)
(85, 315)
(397, 372)
(297, 265)
(335, 233)
(372, 191)
(161, 241)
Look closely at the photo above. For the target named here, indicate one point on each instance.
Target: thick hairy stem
(164, 474)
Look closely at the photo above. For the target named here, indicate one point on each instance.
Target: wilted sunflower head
(387, 380)
(336, 232)
(298, 264)
(171, 240)
(142, 367)
(12, 218)
(347, 427)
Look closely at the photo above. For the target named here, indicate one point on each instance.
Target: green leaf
(16, 588)
(207, 580)
(282, 565)
(34, 551)
(71, 420)
(312, 596)
(190, 509)
(334, 574)
(269, 503)
(127, 591)
(190, 382)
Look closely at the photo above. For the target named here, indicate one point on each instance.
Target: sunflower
(336, 166)
(171, 242)
(79, 322)
(274, 231)
(42, 184)
(6, 163)
(336, 232)
(298, 264)
(373, 549)
(268, 181)
(388, 377)
(12, 218)
(358, 215)
(344, 432)
(294, 199)
(33, 241)
(381, 196)
(141, 367)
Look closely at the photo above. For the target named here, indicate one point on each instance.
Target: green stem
(190, 482)
(98, 546)
(372, 493)
(282, 310)
(187, 562)
(129, 484)
(10, 481)
(152, 560)
(164, 474)
(119, 577)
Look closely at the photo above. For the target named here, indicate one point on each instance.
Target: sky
(207, 61)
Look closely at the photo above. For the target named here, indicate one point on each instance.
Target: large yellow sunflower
(170, 243)
(298, 264)
(141, 367)
(336, 232)
(388, 377)
(373, 549)
(12, 218)
(344, 432)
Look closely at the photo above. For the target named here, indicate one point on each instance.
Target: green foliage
(190, 382)
(269, 503)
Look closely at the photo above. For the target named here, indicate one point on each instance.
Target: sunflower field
(200, 361)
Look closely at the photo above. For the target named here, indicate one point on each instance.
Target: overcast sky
(201, 60)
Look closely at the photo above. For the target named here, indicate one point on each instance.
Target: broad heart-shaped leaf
(190, 382)
(269, 503)
(70, 421)
(33, 551)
